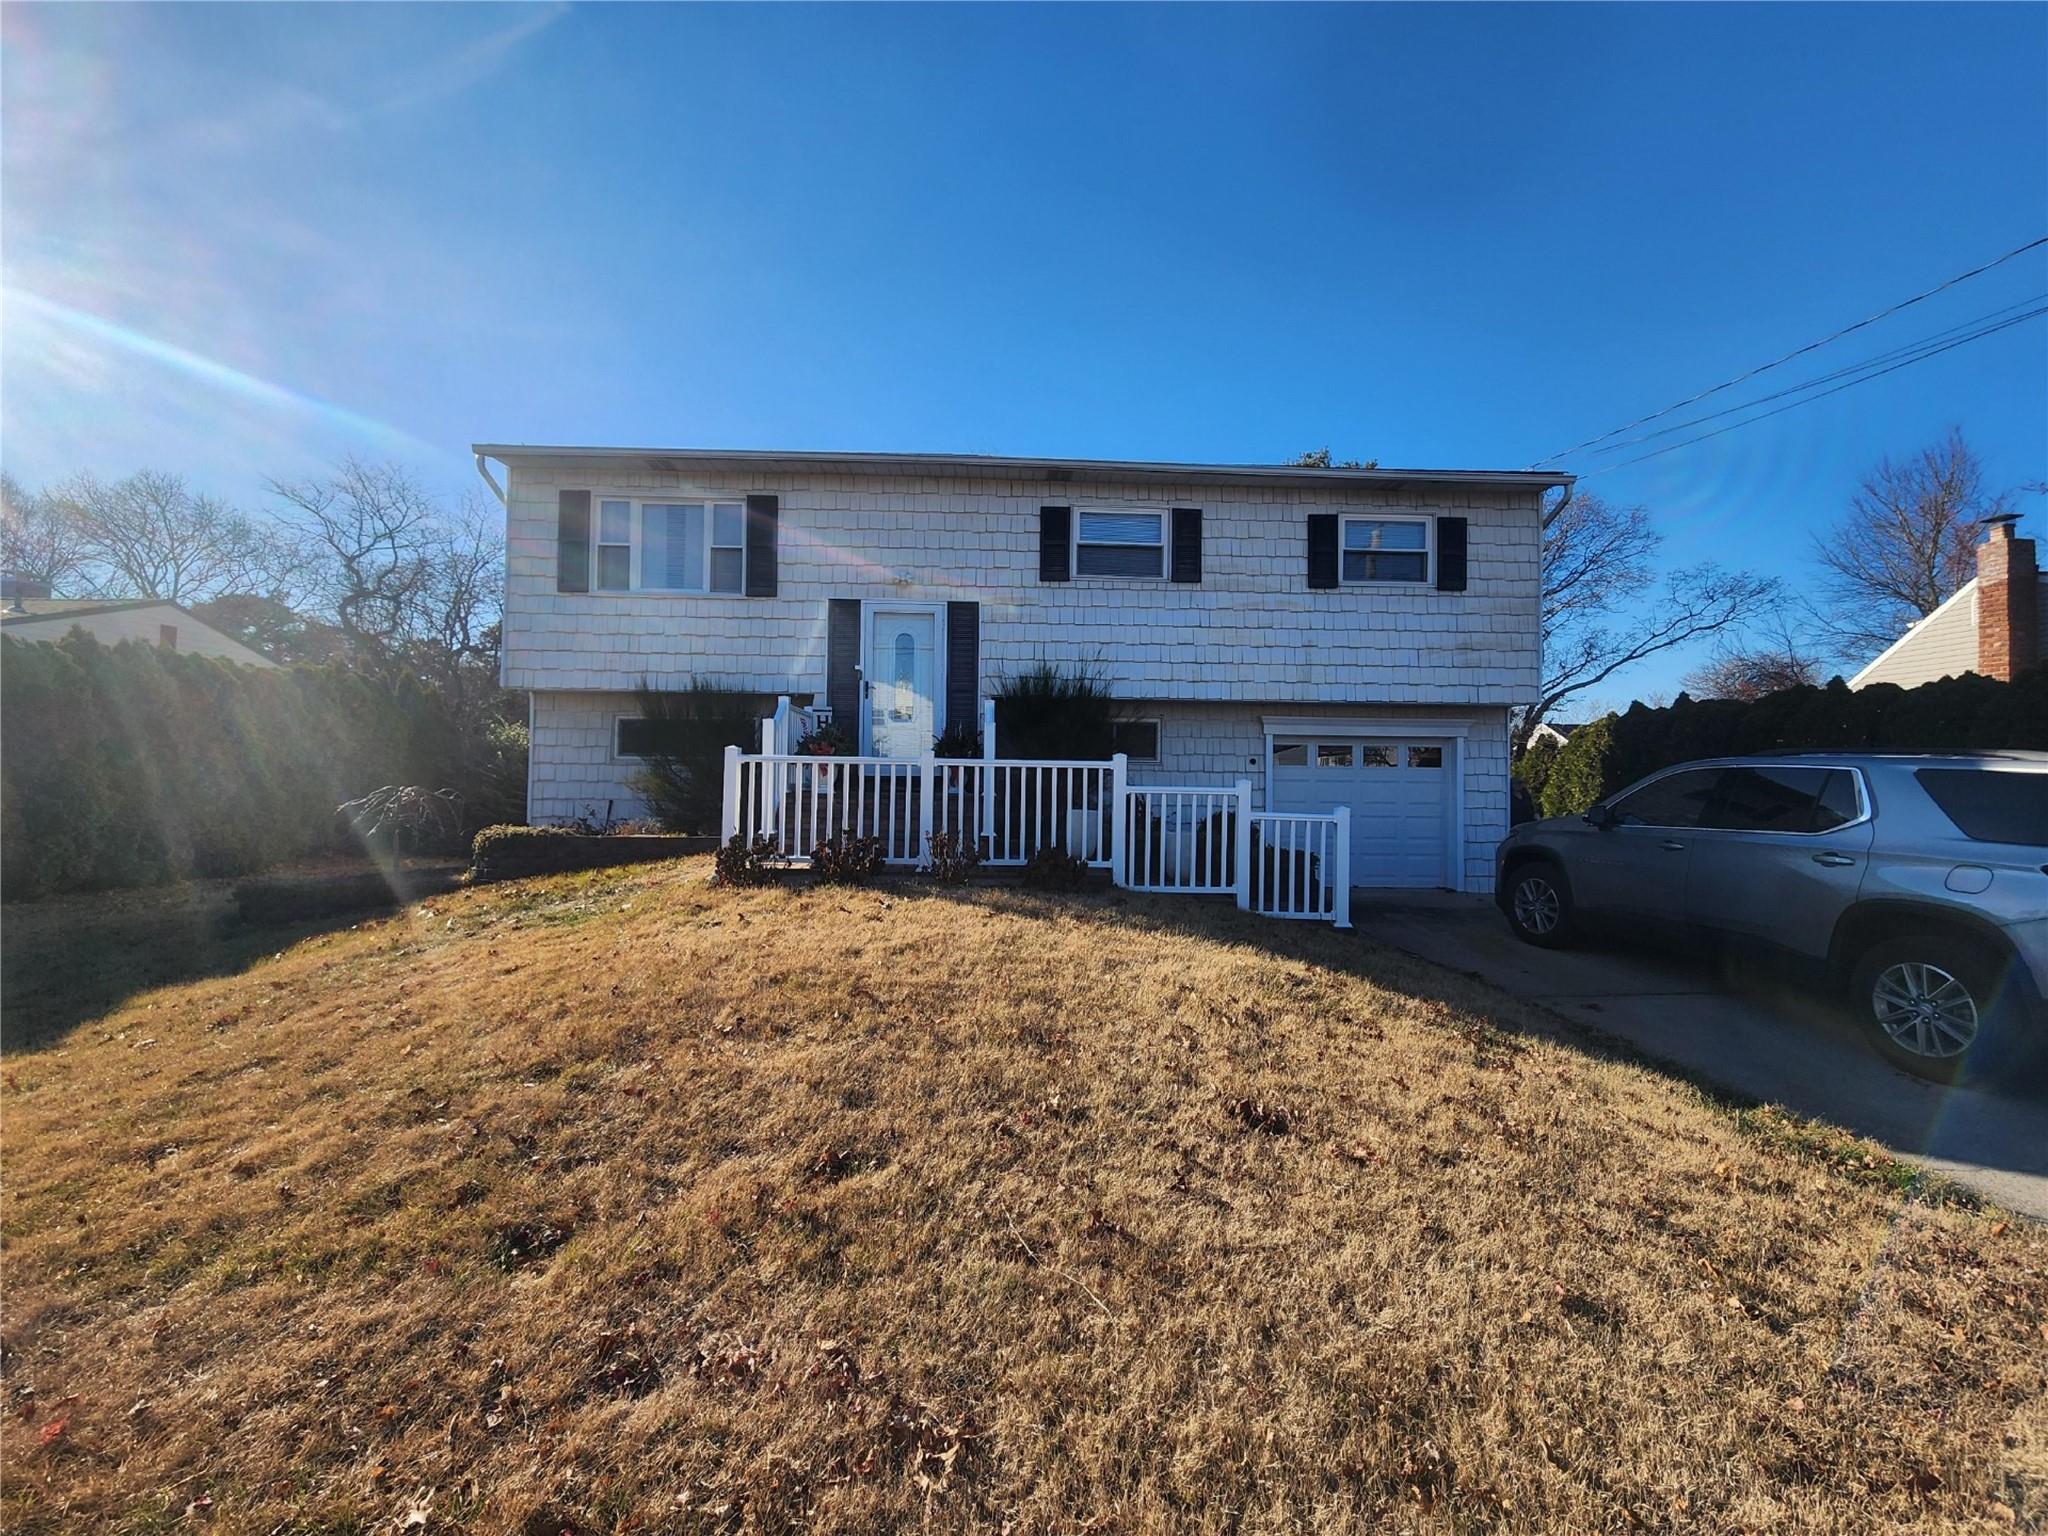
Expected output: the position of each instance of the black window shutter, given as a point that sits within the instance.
(842, 664)
(1055, 542)
(1322, 549)
(1187, 543)
(1450, 554)
(763, 513)
(572, 541)
(963, 665)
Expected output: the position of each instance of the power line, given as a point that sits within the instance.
(1826, 378)
(1936, 351)
(1797, 352)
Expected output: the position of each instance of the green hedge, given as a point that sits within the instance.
(133, 765)
(1957, 712)
(512, 853)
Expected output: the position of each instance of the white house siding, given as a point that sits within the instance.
(571, 771)
(574, 773)
(1251, 630)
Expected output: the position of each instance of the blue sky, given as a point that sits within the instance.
(242, 240)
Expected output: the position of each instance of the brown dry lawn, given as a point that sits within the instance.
(618, 1202)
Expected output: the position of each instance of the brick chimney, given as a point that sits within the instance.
(2008, 598)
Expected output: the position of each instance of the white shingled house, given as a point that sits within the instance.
(1325, 637)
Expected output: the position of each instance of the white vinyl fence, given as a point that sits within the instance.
(1185, 840)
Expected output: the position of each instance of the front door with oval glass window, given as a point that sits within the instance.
(902, 677)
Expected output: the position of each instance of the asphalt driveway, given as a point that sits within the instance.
(1749, 1036)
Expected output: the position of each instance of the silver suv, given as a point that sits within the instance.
(1917, 885)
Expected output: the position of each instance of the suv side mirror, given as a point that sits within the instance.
(1601, 816)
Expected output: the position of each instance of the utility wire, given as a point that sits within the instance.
(1872, 361)
(1797, 352)
(1936, 351)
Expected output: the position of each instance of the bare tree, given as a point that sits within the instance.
(1763, 656)
(151, 536)
(1750, 675)
(1905, 545)
(1604, 609)
(39, 540)
(370, 533)
(457, 615)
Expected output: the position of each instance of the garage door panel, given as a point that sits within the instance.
(1399, 791)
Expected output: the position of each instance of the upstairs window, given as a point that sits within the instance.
(670, 546)
(1130, 544)
(1377, 549)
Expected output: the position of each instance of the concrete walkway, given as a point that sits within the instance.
(1762, 1040)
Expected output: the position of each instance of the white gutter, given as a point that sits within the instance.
(484, 469)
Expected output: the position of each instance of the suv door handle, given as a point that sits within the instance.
(1833, 860)
(1672, 845)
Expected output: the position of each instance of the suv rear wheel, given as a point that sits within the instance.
(1539, 904)
(1931, 1003)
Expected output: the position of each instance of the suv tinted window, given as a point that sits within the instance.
(1676, 800)
(1784, 799)
(1838, 805)
(1990, 807)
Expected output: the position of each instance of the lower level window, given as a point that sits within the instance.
(640, 737)
(1136, 739)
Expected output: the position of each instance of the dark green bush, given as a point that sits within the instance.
(513, 853)
(1950, 715)
(1533, 766)
(1054, 712)
(133, 765)
(744, 862)
(847, 860)
(684, 783)
(1054, 869)
(951, 858)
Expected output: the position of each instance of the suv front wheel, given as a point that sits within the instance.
(1539, 905)
(1931, 1003)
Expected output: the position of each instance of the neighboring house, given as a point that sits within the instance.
(1553, 730)
(148, 620)
(1996, 624)
(1334, 636)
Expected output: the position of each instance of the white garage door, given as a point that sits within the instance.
(1399, 791)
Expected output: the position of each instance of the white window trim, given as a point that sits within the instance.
(1075, 541)
(1158, 738)
(637, 504)
(1428, 551)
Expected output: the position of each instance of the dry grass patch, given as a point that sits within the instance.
(614, 1202)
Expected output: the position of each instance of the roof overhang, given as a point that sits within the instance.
(979, 466)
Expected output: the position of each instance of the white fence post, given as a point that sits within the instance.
(1340, 878)
(1119, 818)
(1243, 841)
(928, 767)
(768, 746)
(729, 816)
(988, 774)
